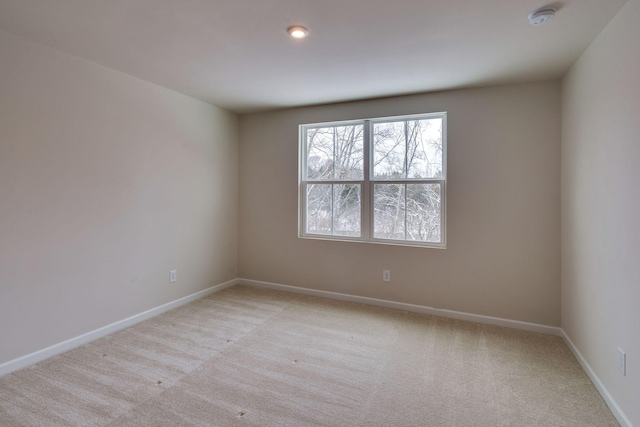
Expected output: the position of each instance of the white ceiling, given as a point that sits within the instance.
(237, 54)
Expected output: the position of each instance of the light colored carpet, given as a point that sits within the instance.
(256, 357)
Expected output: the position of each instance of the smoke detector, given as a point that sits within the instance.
(542, 16)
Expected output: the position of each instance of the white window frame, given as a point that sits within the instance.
(367, 183)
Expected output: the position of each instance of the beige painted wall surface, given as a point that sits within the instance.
(106, 183)
(601, 206)
(503, 207)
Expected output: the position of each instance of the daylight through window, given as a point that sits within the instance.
(377, 180)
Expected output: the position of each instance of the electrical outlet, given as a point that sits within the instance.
(173, 276)
(386, 275)
(622, 362)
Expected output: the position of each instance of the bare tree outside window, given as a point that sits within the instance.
(375, 180)
(334, 154)
(407, 151)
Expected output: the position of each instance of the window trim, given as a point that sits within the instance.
(367, 183)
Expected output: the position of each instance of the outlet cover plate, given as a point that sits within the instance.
(622, 362)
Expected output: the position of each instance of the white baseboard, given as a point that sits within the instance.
(515, 324)
(606, 396)
(45, 353)
(35, 357)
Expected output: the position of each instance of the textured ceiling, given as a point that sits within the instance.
(237, 54)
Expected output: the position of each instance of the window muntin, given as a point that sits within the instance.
(379, 180)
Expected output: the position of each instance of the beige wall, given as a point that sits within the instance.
(601, 206)
(106, 183)
(503, 254)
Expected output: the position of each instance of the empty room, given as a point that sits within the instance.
(319, 213)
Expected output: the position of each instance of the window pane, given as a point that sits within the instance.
(320, 153)
(349, 152)
(389, 148)
(319, 208)
(424, 148)
(389, 211)
(423, 212)
(346, 210)
(335, 152)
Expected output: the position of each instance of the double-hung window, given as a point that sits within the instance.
(376, 180)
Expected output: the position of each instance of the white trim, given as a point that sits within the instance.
(45, 353)
(478, 318)
(606, 396)
(35, 357)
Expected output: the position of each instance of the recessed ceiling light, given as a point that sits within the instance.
(542, 16)
(297, 32)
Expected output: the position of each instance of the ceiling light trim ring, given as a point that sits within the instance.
(298, 31)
